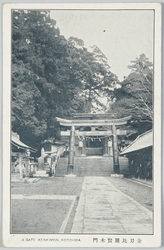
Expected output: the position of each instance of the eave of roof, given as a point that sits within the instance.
(16, 142)
(144, 140)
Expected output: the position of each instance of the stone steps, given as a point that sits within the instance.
(41, 174)
(87, 166)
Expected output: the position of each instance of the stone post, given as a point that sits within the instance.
(116, 167)
(28, 161)
(105, 147)
(84, 148)
(20, 167)
(49, 160)
(110, 150)
(71, 151)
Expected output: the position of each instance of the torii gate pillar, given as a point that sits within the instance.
(71, 152)
(116, 167)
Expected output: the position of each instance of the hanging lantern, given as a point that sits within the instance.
(80, 144)
(109, 144)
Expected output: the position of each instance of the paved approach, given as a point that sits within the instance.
(102, 208)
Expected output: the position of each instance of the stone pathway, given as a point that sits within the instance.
(102, 208)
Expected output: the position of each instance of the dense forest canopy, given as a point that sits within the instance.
(52, 76)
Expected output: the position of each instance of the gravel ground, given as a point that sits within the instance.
(38, 216)
(142, 194)
(52, 185)
(44, 216)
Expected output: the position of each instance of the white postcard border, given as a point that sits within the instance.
(70, 240)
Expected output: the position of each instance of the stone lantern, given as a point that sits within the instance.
(48, 151)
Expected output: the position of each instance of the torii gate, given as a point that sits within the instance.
(94, 122)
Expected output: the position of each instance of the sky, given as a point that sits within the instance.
(122, 35)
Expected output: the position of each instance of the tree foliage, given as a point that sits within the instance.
(135, 95)
(51, 76)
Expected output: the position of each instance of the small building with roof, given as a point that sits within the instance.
(139, 153)
(22, 163)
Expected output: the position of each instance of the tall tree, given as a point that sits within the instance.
(135, 95)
